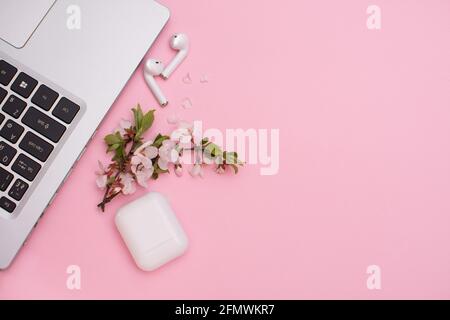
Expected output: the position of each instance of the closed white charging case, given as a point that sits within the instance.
(151, 231)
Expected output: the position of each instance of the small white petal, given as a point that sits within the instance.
(143, 176)
(204, 78)
(128, 183)
(101, 167)
(174, 155)
(186, 139)
(143, 146)
(128, 189)
(125, 124)
(177, 134)
(131, 188)
(196, 170)
(120, 131)
(146, 162)
(148, 172)
(135, 160)
(187, 79)
(142, 182)
(163, 154)
(173, 119)
(164, 165)
(151, 152)
(168, 144)
(101, 181)
(185, 125)
(207, 160)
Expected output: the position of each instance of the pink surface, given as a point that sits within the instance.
(364, 151)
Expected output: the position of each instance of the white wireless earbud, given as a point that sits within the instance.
(178, 42)
(152, 69)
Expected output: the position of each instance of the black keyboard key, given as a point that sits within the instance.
(24, 85)
(3, 94)
(7, 204)
(11, 131)
(18, 189)
(5, 179)
(36, 146)
(7, 153)
(14, 106)
(26, 167)
(43, 124)
(7, 72)
(66, 110)
(44, 97)
(2, 117)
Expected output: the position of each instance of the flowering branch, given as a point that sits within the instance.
(137, 161)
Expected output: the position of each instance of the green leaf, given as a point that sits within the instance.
(138, 115)
(136, 146)
(113, 147)
(158, 170)
(232, 158)
(119, 154)
(158, 136)
(147, 121)
(143, 122)
(212, 150)
(112, 139)
(159, 140)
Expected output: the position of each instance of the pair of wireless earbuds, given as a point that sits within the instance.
(154, 68)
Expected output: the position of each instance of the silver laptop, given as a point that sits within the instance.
(62, 65)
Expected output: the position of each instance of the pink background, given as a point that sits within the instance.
(364, 150)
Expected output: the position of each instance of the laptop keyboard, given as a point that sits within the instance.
(33, 120)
